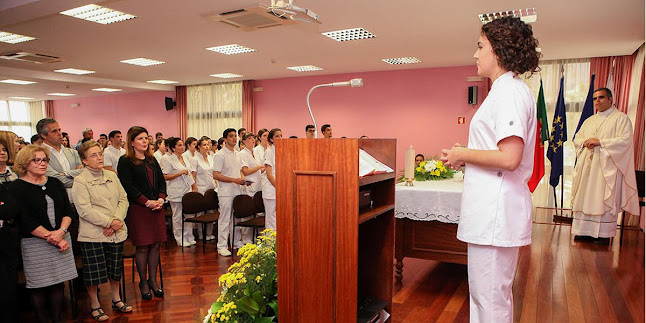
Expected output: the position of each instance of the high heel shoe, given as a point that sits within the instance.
(144, 296)
(158, 292)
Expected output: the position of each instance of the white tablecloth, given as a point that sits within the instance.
(430, 200)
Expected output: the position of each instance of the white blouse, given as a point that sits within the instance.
(203, 172)
(248, 160)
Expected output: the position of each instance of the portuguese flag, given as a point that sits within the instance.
(541, 136)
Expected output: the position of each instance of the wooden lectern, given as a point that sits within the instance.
(330, 253)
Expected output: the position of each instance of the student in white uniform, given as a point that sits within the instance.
(112, 153)
(259, 151)
(160, 150)
(226, 170)
(496, 214)
(203, 173)
(251, 167)
(191, 149)
(179, 181)
(269, 186)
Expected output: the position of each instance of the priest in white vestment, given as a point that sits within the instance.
(604, 181)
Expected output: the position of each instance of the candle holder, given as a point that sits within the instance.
(408, 182)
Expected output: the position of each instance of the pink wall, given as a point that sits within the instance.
(117, 111)
(418, 107)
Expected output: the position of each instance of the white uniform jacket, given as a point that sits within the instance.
(496, 204)
(203, 172)
(177, 187)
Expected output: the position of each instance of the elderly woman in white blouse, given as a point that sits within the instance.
(177, 173)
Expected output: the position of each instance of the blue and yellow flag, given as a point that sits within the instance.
(557, 137)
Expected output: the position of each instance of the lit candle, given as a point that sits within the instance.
(409, 165)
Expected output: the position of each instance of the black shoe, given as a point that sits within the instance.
(584, 238)
(145, 296)
(158, 292)
(602, 241)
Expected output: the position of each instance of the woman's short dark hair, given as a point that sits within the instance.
(514, 45)
(261, 132)
(172, 142)
(419, 155)
(189, 140)
(158, 142)
(247, 135)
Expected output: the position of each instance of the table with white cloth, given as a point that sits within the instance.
(426, 217)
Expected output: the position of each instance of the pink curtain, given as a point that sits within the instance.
(248, 106)
(639, 127)
(621, 76)
(182, 110)
(49, 109)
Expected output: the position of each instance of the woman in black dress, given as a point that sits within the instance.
(143, 180)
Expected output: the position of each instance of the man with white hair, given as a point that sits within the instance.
(87, 134)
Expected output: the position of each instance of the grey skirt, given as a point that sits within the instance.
(44, 264)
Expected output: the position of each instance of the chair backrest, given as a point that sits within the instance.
(258, 203)
(640, 182)
(243, 206)
(211, 200)
(192, 202)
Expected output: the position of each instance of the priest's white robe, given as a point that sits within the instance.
(604, 181)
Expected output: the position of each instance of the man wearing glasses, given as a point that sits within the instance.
(309, 131)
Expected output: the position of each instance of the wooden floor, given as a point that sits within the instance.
(558, 280)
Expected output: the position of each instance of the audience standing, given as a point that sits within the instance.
(269, 186)
(179, 181)
(143, 181)
(101, 203)
(44, 218)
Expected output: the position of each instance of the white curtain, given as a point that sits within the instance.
(635, 81)
(212, 108)
(576, 84)
(36, 112)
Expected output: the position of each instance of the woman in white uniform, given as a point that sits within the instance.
(202, 164)
(496, 214)
(179, 182)
(269, 186)
(191, 149)
(251, 167)
(259, 151)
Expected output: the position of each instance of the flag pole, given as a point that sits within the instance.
(562, 189)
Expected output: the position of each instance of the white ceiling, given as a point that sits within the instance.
(439, 33)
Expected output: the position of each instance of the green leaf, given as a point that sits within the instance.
(215, 307)
(267, 319)
(248, 305)
(274, 306)
(257, 296)
(247, 291)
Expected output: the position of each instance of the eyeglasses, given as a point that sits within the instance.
(40, 160)
(95, 155)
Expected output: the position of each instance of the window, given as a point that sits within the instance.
(576, 83)
(15, 116)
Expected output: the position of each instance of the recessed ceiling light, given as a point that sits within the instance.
(527, 15)
(163, 82)
(226, 75)
(21, 98)
(75, 71)
(401, 60)
(19, 82)
(304, 68)
(231, 49)
(9, 38)
(141, 61)
(61, 94)
(107, 89)
(349, 34)
(98, 14)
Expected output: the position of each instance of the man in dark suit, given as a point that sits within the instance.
(65, 163)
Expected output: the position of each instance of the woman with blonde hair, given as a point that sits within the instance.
(102, 204)
(44, 218)
(143, 181)
(13, 145)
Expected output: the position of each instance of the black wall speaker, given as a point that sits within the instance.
(473, 95)
(169, 103)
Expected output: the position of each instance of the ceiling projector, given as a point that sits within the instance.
(287, 9)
